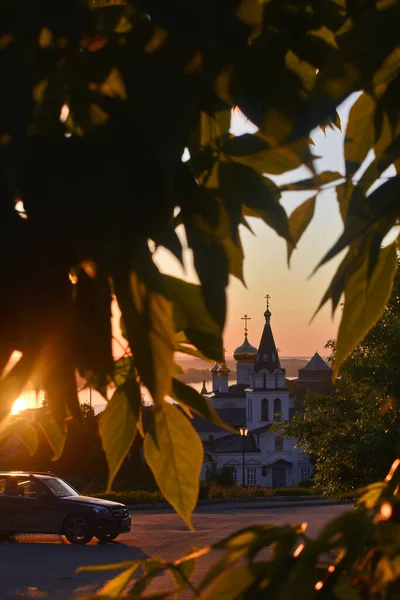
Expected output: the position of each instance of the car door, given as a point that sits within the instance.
(5, 507)
(32, 512)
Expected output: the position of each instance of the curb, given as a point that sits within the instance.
(251, 503)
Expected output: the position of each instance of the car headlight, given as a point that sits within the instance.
(100, 510)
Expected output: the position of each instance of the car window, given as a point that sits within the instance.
(59, 487)
(2, 486)
(23, 487)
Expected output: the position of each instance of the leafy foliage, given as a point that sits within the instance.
(354, 434)
(353, 556)
(99, 102)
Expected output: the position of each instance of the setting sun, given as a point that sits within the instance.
(19, 405)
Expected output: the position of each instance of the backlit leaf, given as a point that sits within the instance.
(185, 394)
(299, 221)
(231, 584)
(174, 453)
(118, 424)
(360, 133)
(115, 587)
(23, 430)
(55, 435)
(191, 315)
(364, 303)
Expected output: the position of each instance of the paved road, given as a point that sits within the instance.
(45, 566)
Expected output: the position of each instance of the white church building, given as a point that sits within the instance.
(256, 402)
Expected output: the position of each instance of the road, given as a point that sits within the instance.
(45, 566)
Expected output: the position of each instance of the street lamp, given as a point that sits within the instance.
(243, 432)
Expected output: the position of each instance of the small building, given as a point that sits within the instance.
(315, 378)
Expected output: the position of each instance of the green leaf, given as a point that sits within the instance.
(115, 587)
(299, 221)
(246, 150)
(56, 436)
(183, 571)
(360, 133)
(192, 317)
(231, 584)
(241, 185)
(23, 430)
(148, 317)
(118, 425)
(187, 395)
(364, 303)
(174, 453)
(312, 183)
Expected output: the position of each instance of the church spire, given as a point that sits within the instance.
(267, 355)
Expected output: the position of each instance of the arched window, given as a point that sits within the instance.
(276, 380)
(278, 443)
(277, 408)
(264, 410)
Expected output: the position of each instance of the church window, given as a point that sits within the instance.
(277, 408)
(263, 471)
(273, 357)
(264, 410)
(305, 473)
(278, 443)
(265, 357)
(250, 409)
(234, 474)
(251, 476)
(276, 380)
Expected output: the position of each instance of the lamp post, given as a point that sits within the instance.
(243, 432)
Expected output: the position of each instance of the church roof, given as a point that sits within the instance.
(236, 390)
(235, 417)
(267, 355)
(246, 352)
(317, 363)
(233, 443)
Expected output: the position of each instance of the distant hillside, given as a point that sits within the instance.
(197, 370)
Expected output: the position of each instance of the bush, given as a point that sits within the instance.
(294, 491)
(132, 497)
(208, 491)
(223, 476)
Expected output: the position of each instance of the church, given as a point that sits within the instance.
(253, 405)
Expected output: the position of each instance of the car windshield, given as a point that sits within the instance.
(59, 487)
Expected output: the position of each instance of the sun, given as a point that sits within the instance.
(19, 405)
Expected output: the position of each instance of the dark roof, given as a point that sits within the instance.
(262, 429)
(232, 443)
(317, 363)
(235, 417)
(267, 355)
(235, 390)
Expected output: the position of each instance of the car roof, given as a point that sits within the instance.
(17, 473)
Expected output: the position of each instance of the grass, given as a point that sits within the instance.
(207, 491)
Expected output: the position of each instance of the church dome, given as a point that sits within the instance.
(246, 352)
(224, 370)
(214, 369)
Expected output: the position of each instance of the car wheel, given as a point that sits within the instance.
(78, 530)
(107, 537)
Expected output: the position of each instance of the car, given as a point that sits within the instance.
(37, 502)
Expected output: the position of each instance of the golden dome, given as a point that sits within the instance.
(246, 352)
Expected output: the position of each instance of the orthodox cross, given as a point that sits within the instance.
(245, 319)
(267, 297)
